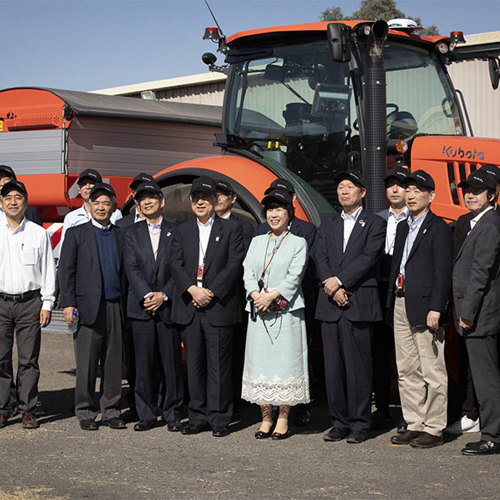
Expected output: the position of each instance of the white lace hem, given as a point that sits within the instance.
(262, 391)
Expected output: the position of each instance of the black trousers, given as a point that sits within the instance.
(484, 363)
(102, 342)
(348, 372)
(209, 362)
(154, 340)
(24, 318)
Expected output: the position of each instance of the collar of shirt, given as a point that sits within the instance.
(399, 217)
(354, 216)
(154, 227)
(18, 228)
(208, 224)
(415, 224)
(138, 217)
(100, 226)
(475, 220)
(227, 215)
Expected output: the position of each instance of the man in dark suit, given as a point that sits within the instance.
(135, 214)
(476, 292)
(419, 284)
(90, 269)
(207, 253)
(146, 252)
(305, 230)
(31, 213)
(347, 253)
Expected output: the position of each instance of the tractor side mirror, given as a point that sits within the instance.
(494, 73)
(338, 35)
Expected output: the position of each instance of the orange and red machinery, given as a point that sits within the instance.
(305, 101)
(49, 136)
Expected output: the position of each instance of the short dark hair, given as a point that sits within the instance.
(490, 193)
(274, 204)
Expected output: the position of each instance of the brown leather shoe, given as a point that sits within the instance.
(29, 421)
(405, 437)
(3, 420)
(426, 440)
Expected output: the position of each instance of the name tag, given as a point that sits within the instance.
(199, 275)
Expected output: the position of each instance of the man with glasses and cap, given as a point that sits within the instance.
(147, 248)
(476, 293)
(27, 295)
(31, 213)
(419, 285)
(86, 181)
(348, 251)
(135, 214)
(206, 259)
(92, 289)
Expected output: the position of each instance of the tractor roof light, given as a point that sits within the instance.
(456, 37)
(442, 47)
(211, 34)
(401, 146)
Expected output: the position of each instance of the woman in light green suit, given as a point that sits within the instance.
(275, 371)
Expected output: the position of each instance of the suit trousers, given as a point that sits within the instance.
(422, 376)
(348, 372)
(102, 342)
(484, 363)
(209, 370)
(153, 339)
(24, 318)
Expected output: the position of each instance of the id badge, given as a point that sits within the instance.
(199, 274)
(400, 282)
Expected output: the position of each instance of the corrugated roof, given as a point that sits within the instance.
(88, 104)
(482, 38)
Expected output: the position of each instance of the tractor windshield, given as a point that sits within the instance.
(295, 108)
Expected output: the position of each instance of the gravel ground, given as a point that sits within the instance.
(58, 460)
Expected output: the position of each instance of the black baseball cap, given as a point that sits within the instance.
(139, 179)
(282, 184)
(148, 187)
(6, 171)
(91, 174)
(479, 179)
(14, 186)
(398, 173)
(352, 176)
(277, 195)
(421, 179)
(101, 188)
(203, 184)
(491, 169)
(224, 187)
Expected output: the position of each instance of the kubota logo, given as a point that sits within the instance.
(468, 154)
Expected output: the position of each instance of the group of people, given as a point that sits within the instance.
(376, 283)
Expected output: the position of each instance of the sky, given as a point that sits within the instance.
(95, 44)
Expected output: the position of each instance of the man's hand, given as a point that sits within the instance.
(433, 320)
(466, 324)
(340, 298)
(44, 318)
(68, 314)
(201, 296)
(263, 300)
(331, 285)
(153, 302)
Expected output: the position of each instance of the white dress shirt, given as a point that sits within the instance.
(81, 216)
(475, 220)
(204, 233)
(392, 223)
(349, 221)
(27, 261)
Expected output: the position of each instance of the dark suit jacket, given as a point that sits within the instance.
(223, 260)
(144, 274)
(427, 272)
(356, 267)
(126, 221)
(33, 215)
(476, 278)
(460, 230)
(80, 279)
(246, 228)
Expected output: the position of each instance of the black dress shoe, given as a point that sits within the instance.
(193, 429)
(405, 438)
(175, 426)
(303, 418)
(130, 416)
(144, 425)
(336, 434)
(220, 432)
(263, 435)
(88, 425)
(278, 436)
(481, 448)
(357, 437)
(114, 423)
(426, 440)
